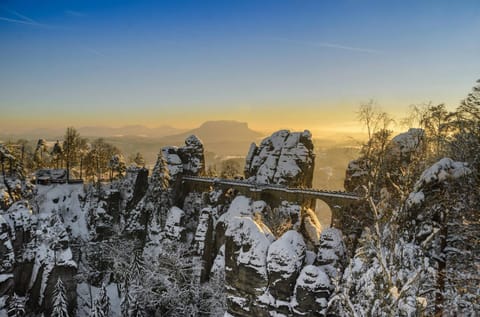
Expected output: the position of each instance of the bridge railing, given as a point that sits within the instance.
(276, 187)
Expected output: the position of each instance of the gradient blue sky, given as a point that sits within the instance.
(295, 64)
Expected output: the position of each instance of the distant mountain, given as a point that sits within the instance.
(223, 130)
(222, 137)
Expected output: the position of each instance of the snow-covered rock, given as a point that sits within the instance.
(444, 170)
(7, 258)
(331, 253)
(66, 201)
(285, 158)
(188, 159)
(311, 227)
(356, 174)
(312, 291)
(405, 144)
(441, 171)
(204, 243)
(174, 228)
(246, 250)
(284, 262)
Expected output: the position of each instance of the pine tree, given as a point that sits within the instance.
(101, 306)
(160, 179)
(139, 160)
(137, 267)
(471, 104)
(60, 308)
(57, 153)
(97, 310)
(126, 301)
(104, 301)
(39, 155)
(466, 139)
(136, 310)
(158, 192)
(16, 308)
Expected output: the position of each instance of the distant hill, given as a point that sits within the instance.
(222, 137)
(214, 131)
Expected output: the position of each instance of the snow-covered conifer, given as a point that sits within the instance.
(60, 308)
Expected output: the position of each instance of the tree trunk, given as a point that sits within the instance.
(5, 180)
(23, 154)
(3, 169)
(441, 272)
(81, 166)
(10, 161)
(68, 170)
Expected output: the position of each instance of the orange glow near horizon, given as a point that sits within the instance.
(339, 119)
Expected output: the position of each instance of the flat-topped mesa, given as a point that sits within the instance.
(185, 160)
(284, 158)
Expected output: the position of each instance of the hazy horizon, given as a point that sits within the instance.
(156, 132)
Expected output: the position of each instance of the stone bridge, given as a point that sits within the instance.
(273, 193)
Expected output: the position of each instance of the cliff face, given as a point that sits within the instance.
(284, 158)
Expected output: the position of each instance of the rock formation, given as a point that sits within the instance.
(284, 158)
(246, 277)
(187, 160)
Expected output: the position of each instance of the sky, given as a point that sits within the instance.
(298, 64)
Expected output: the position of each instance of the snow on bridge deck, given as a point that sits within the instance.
(254, 187)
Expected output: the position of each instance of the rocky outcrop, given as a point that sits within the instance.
(185, 160)
(284, 261)
(127, 195)
(356, 175)
(331, 256)
(7, 259)
(312, 291)
(405, 145)
(246, 277)
(52, 257)
(285, 158)
(174, 225)
(137, 184)
(36, 253)
(310, 227)
(204, 243)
